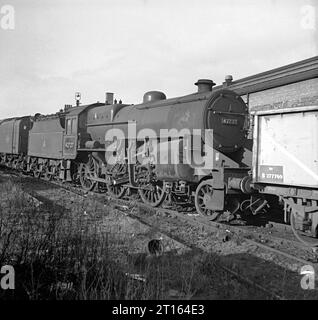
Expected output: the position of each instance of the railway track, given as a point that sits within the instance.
(215, 225)
(230, 271)
(192, 217)
(205, 222)
(126, 207)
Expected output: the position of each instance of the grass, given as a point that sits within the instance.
(61, 255)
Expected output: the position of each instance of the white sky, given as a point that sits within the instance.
(132, 46)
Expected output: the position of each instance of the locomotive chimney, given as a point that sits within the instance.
(228, 81)
(109, 98)
(204, 85)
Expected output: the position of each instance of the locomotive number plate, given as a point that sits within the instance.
(229, 122)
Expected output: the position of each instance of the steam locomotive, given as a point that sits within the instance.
(93, 145)
(70, 145)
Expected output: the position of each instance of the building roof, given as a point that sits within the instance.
(291, 73)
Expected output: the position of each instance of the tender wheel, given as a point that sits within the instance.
(87, 171)
(153, 194)
(36, 169)
(47, 174)
(22, 166)
(202, 196)
(14, 164)
(37, 173)
(9, 164)
(57, 170)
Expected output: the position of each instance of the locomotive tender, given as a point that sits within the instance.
(71, 146)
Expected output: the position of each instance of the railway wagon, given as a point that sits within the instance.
(14, 136)
(285, 162)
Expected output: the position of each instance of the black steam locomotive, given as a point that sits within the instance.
(79, 144)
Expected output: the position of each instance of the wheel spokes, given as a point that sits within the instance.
(117, 191)
(203, 197)
(154, 196)
(86, 172)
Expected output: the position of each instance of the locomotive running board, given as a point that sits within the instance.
(106, 124)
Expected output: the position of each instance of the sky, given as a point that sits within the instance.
(128, 47)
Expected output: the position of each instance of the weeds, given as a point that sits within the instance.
(61, 255)
(64, 254)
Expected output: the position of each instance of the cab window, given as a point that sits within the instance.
(73, 126)
(68, 126)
